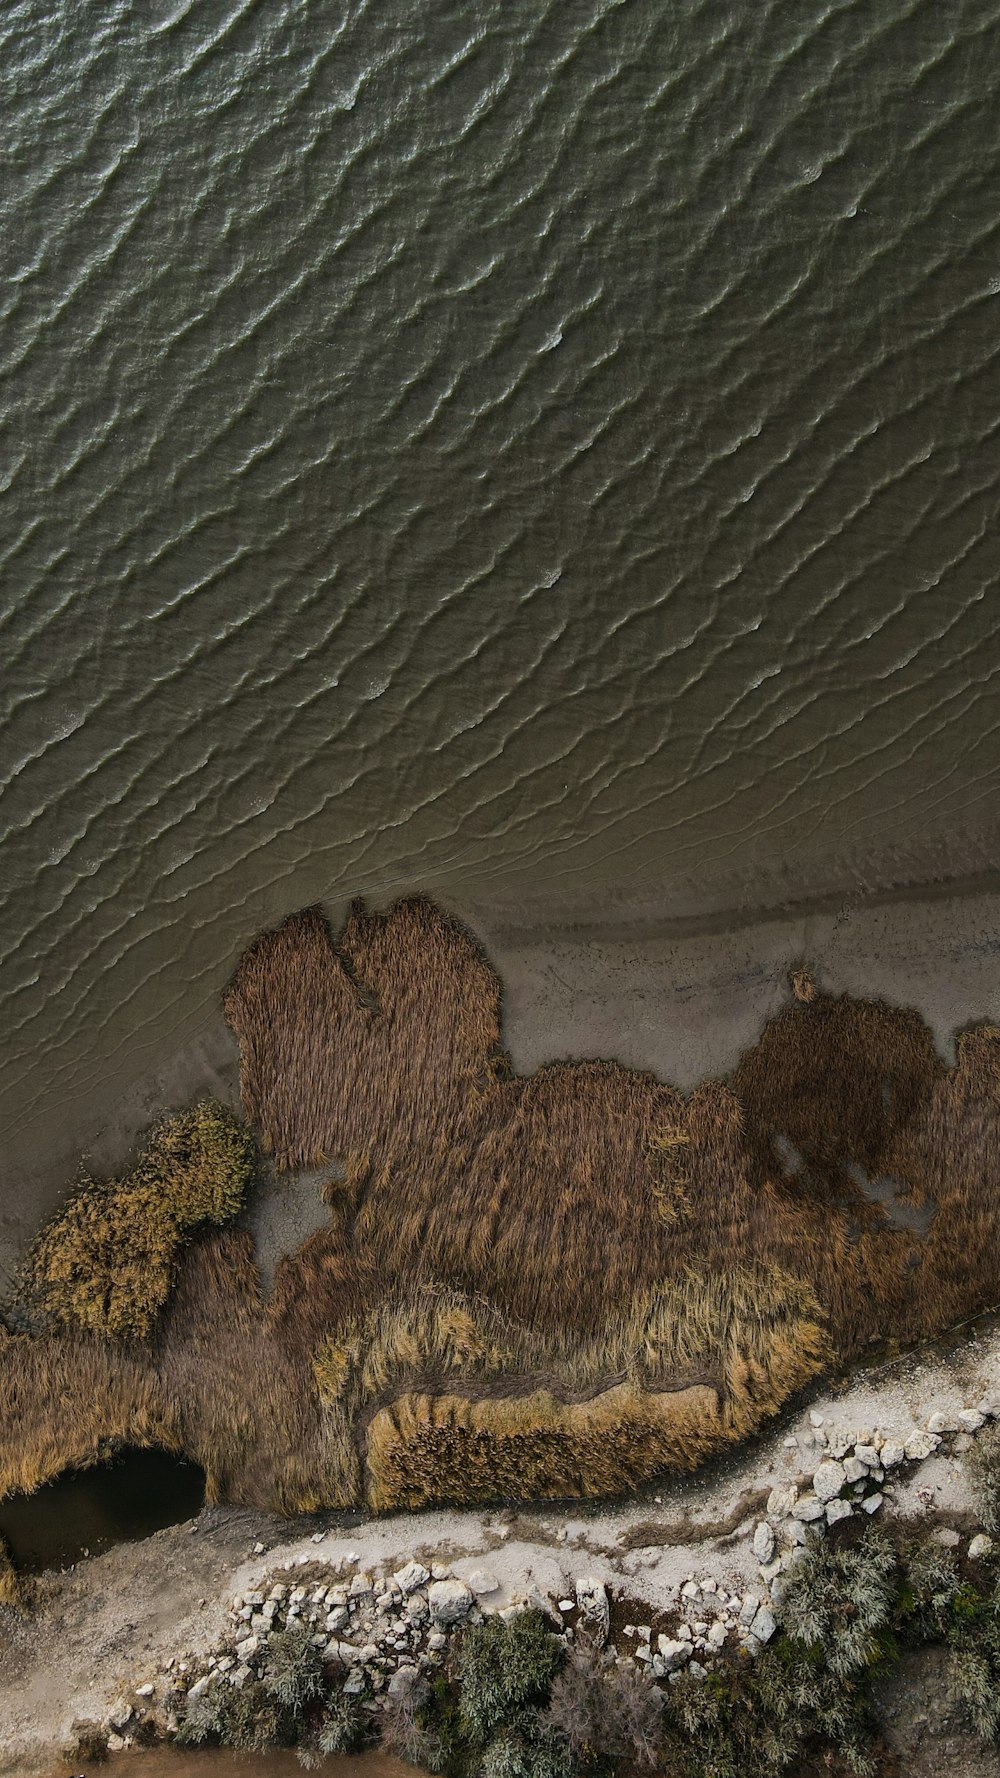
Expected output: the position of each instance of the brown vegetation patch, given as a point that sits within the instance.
(550, 1285)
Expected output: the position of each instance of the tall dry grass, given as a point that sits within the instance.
(553, 1284)
(105, 1262)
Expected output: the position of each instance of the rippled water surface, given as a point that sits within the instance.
(510, 448)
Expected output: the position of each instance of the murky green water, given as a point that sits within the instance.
(527, 451)
(85, 1511)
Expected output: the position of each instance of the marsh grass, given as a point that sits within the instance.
(546, 1285)
(106, 1261)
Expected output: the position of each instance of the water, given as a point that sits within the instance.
(85, 1511)
(530, 451)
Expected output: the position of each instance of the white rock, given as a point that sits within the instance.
(854, 1469)
(808, 1508)
(815, 1419)
(567, 1605)
(697, 1670)
(763, 1625)
(837, 1510)
(318, 1536)
(200, 1686)
(770, 1569)
(941, 1422)
(763, 1542)
(795, 1531)
(483, 1583)
(781, 1500)
(408, 1578)
(971, 1419)
(717, 1634)
(592, 1599)
(868, 1455)
(145, 1691)
(116, 1742)
(980, 1546)
(921, 1444)
(672, 1654)
(749, 1608)
(450, 1601)
(829, 1479)
(891, 1454)
(689, 1590)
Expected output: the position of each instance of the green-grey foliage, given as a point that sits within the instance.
(293, 1670)
(245, 1717)
(504, 1669)
(841, 1602)
(344, 1725)
(532, 1749)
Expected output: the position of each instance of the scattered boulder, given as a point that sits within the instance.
(829, 1479)
(449, 1601)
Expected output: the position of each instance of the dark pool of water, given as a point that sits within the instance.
(86, 1510)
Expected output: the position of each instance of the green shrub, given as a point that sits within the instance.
(841, 1602)
(531, 1750)
(976, 1683)
(344, 1727)
(504, 1669)
(293, 1669)
(245, 1717)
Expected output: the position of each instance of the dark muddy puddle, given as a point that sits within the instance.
(85, 1511)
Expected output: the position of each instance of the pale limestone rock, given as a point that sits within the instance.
(828, 1480)
(763, 1542)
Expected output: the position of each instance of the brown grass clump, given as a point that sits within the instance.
(68, 1402)
(106, 1261)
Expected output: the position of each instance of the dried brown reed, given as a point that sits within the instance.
(547, 1285)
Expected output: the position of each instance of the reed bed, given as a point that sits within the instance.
(547, 1285)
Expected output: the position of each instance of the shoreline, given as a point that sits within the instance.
(648, 991)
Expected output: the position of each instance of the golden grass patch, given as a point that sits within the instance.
(105, 1263)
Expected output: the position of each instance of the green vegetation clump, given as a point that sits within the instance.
(505, 1669)
(293, 1671)
(244, 1717)
(105, 1263)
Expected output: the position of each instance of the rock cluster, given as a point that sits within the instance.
(853, 1474)
(378, 1633)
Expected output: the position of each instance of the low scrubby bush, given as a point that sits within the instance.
(603, 1707)
(245, 1717)
(504, 1669)
(293, 1670)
